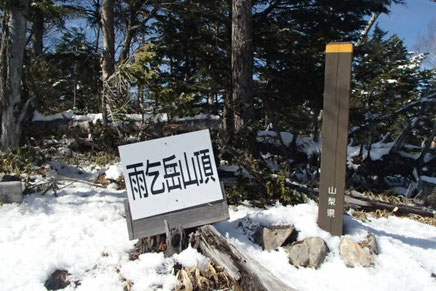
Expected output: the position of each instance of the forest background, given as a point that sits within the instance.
(256, 66)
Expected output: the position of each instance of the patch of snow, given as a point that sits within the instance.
(88, 117)
(308, 145)
(192, 258)
(40, 117)
(428, 157)
(408, 155)
(200, 116)
(151, 271)
(93, 117)
(112, 186)
(377, 152)
(272, 137)
(236, 170)
(60, 168)
(428, 179)
(402, 242)
(400, 190)
(380, 149)
(231, 168)
(160, 117)
(70, 232)
(114, 172)
(84, 231)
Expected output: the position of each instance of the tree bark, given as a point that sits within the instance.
(127, 44)
(368, 27)
(131, 23)
(12, 102)
(242, 63)
(108, 61)
(38, 34)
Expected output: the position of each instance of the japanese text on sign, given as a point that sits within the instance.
(331, 202)
(178, 173)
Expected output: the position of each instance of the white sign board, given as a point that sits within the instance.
(169, 174)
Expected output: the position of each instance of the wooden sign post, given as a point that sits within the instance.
(334, 136)
(171, 183)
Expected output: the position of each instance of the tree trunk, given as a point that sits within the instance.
(127, 44)
(12, 103)
(242, 63)
(38, 34)
(108, 62)
(368, 27)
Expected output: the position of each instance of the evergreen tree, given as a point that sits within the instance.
(48, 13)
(68, 77)
(386, 78)
(290, 39)
(192, 44)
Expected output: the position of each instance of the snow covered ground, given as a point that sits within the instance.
(83, 230)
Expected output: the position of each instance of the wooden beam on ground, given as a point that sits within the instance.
(246, 272)
(362, 203)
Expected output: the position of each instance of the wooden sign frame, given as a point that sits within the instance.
(337, 87)
(186, 218)
(172, 184)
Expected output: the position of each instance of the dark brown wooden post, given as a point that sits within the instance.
(334, 136)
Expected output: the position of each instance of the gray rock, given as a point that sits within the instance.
(57, 280)
(354, 255)
(310, 252)
(432, 198)
(371, 243)
(270, 238)
(11, 192)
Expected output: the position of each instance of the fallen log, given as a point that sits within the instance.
(357, 201)
(86, 143)
(247, 273)
(59, 127)
(362, 203)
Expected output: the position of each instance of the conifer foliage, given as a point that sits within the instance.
(182, 57)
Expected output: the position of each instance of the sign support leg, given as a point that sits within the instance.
(175, 239)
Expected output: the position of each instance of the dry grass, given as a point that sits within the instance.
(363, 216)
(214, 277)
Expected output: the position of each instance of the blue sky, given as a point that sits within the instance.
(408, 20)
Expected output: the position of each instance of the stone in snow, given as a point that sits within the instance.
(354, 255)
(371, 243)
(310, 252)
(11, 189)
(270, 238)
(57, 280)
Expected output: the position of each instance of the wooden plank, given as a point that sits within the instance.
(188, 218)
(246, 272)
(334, 137)
(128, 219)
